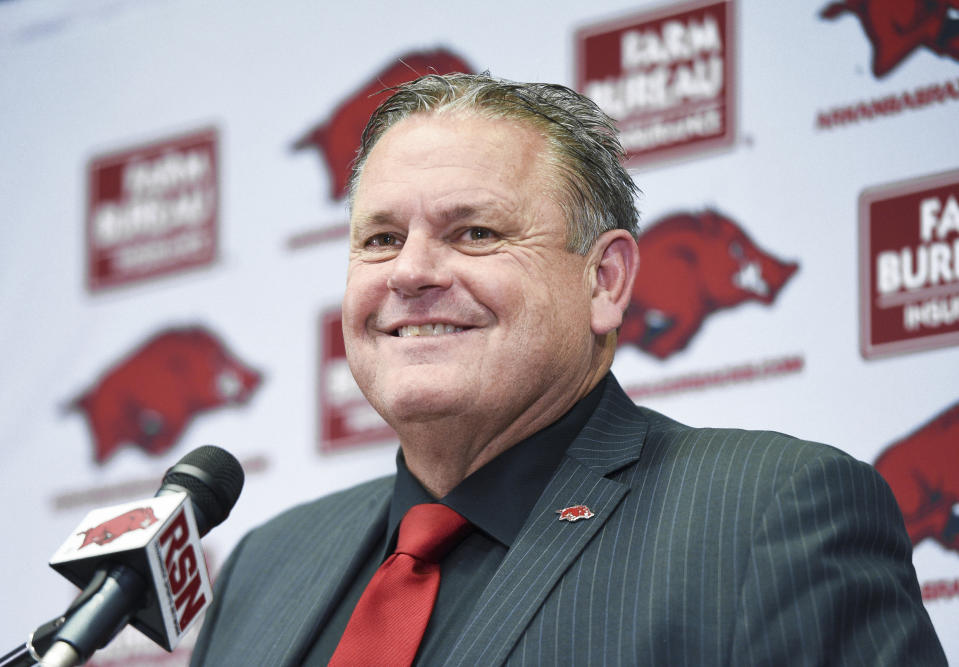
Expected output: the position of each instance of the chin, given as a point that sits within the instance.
(419, 398)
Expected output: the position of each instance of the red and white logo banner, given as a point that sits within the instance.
(152, 210)
(667, 76)
(346, 417)
(909, 265)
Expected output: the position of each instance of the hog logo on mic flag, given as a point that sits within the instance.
(109, 530)
(148, 398)
(165, 550)
(923, 471)
(896, 28)
(692, 265)
(337, 138)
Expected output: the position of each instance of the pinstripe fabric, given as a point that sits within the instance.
(708, 547)
(281, 580)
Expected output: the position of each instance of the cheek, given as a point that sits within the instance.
(358, 302)
(349, 314)
(569, 310)
(356, 347)
(548, 308)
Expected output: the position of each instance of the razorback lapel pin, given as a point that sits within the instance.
(575, 513)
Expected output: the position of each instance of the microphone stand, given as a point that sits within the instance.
(92, 622)
(29, 653)
(73, 637)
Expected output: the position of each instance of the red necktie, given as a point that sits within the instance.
(388, 622)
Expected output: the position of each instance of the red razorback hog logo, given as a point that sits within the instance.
(923, 471)
(147, 398)
(109, 530)
(338, 138)
(575, 513)
(896, 28)
(691, 265)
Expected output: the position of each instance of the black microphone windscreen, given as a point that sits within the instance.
(213, 478)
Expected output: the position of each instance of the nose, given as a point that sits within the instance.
(419, 267)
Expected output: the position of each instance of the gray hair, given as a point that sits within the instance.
(596, 192)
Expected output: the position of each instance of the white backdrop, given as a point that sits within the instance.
(80, 80)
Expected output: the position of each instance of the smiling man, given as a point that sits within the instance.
(466, 318)
(537, 514)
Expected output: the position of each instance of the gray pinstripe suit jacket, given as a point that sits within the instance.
(709, 546)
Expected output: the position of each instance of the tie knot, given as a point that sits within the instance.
(429, 531)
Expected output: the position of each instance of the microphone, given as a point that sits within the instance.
(141, 562)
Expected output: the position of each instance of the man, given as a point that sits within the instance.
(492, 255)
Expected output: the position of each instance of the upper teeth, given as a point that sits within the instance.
(427, 330)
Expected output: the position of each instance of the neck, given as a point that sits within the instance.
(443, 452)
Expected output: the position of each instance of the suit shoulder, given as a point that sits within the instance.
(357, 501)
(620, 428)
(759, 450)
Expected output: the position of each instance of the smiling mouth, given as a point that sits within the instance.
(438, 329)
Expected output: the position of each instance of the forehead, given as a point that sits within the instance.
(447, 160)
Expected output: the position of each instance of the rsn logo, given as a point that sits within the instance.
(182, 572)
(896, 28)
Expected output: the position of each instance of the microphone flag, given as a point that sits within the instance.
(158, 538)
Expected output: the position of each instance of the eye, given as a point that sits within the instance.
(384, 240)
(478, 234)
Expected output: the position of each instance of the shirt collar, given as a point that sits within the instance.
(498, 497)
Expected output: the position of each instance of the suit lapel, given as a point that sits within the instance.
(547, 547)
(334, 552)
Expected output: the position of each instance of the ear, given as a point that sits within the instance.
(615, 259)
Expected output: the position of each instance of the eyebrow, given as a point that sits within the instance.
(451, 215)
(458, 213)
(379, 219)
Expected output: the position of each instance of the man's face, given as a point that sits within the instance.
(461, 300)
